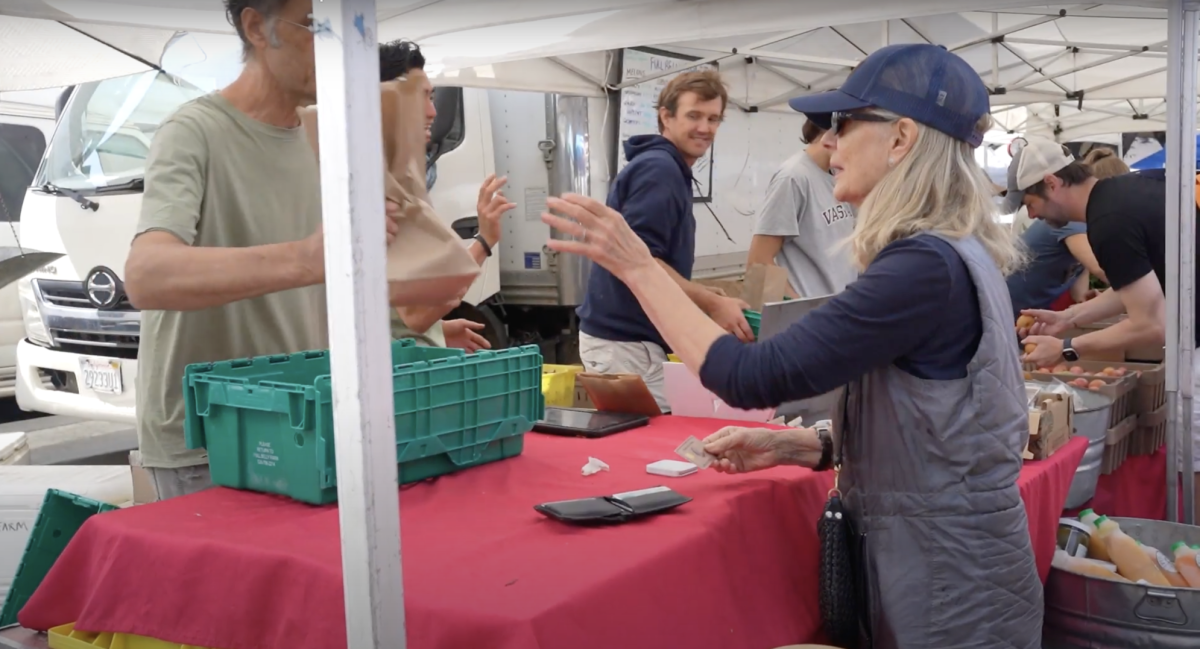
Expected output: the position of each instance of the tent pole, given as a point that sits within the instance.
(1180, 252)
(347, 67)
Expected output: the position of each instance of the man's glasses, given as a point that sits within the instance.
(839, 120)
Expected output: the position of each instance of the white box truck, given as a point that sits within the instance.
(81, 333)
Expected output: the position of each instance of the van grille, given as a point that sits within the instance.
(73, 294)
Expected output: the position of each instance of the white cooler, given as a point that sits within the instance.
(14, 448)
(22, 490)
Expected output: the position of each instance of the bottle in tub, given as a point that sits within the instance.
(1132, 563)
(1186, 563)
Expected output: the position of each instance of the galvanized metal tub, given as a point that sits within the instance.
(1085, 612)
(1091, 421)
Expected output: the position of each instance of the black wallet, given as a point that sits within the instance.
(617, 508)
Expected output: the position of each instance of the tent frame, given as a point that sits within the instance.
(352, 204)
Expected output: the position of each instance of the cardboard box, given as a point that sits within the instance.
(764, 284)
(730, 287)
(1051, 423)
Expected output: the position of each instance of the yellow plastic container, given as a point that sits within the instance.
(673, 358)
(558, 384)
(66, 637)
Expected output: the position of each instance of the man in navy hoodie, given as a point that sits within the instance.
(654, 193)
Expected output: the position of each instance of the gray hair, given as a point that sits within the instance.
(269, 10)
(937, 187)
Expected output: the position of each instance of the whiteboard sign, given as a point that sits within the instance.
(639, 112)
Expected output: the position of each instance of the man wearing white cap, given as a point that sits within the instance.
(1126, 224)
(1059, 253)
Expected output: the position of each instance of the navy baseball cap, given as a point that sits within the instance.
(925, 83)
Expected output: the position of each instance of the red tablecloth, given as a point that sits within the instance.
(735, 568)
(1137, 489)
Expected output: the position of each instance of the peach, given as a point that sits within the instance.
(1077, 370)
(1080, 383)
(1060, 369)
(1025, 322)
(1120, 371)
(1029, 348)
(1096, 385)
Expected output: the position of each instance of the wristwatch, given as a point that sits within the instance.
(1068, 351)
(824, 430)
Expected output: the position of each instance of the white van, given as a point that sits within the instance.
(26, 124)
(82, 333)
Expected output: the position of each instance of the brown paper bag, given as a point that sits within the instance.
(764, 284)
(427, 264)
(626, 393)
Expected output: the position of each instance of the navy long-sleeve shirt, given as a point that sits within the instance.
(914, 306)
(653, 192)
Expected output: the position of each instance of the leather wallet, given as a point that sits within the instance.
(617, 508)
(625, 393)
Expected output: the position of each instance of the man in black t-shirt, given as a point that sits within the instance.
(1126, 221)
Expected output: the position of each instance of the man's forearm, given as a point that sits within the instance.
(1123, 335)
(1106, 305)
(186, 278)
(699, 295)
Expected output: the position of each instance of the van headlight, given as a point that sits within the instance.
(31, 313)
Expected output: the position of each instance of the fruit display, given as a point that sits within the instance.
(1084, 379)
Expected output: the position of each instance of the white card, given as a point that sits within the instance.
(671, 468)
(693, 451)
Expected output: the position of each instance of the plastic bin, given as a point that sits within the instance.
(267, 422)
(1089, 612)
(558, 384)
(67, 637)
(754, 319)
(61, 516)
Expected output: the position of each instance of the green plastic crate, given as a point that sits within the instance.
(61, 516)
(754, 319)
(267, 422)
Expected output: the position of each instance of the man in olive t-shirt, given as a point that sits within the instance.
(228, 260)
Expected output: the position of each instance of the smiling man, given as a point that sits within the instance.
(654, 193)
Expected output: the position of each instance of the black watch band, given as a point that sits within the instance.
(487, 249)
(825, 436)
(1068, 352)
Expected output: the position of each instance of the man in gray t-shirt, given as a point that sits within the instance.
(801, 225)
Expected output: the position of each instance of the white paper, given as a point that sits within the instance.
(593, 466)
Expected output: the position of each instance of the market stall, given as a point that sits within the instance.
(239, 570)
(298, 550)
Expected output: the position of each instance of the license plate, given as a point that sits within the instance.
(101, 375)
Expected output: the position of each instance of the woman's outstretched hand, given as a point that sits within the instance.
(600, 234)
(742, 450)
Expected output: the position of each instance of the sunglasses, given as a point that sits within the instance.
(839, 120)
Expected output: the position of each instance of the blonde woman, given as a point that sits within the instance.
(1104, 163)
(934, 421)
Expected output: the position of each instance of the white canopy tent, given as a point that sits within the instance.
(1102, 58)
(1063, 71)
